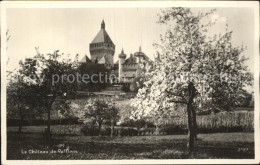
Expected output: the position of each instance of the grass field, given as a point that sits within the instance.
(68, 143)
(218, 145)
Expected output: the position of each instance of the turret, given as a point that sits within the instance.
(103, 24)
(122, 55)
(121, 60)
(139, 55)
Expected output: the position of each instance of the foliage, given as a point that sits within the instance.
(215, 123)
(136, 84)
(193, 70)
(185, 51)
(22, 100)
(248, 99)
(137, 123)
(106, 131)
(39, 73)
(125, 88)
(42, 122)
(94, 84)
(97, 112)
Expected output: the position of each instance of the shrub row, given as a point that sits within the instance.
(38, 122)
(130, 131)
(229, 122)
(118, 131)
(106, 131)
(137, 123)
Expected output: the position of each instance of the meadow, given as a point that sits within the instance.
(208, 146)
(227, 135)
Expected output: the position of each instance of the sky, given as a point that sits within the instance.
(71, 30)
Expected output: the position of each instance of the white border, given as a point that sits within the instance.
(127, 4)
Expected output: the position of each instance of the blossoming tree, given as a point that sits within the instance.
(192, 71)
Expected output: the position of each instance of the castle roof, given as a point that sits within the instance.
(130, 60)
(146, 58)
(85, 59)
(133, 58)
(102, 60)
(122, 54)
(140, 53)
(102, 35)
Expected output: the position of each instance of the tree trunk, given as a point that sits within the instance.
(194, 122)
(20, 125)
(49, 104)
(99, 129)
(49, 124)
(21, 119)
(191, 116)
(112, 130)
(156, 130)
(93, 126)
(190, 143)
(119, 132)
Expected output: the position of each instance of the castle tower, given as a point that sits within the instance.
(121, 60)
(139, 55)
(102, 48)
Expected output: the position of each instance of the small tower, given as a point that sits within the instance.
(121, 60)
(103, 24)
(139, 55)
(102, 48)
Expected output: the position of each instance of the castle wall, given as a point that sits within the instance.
(99, 53)
(129, 66)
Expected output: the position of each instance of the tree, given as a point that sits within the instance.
(16, 105)
(21, 101)
(246, 99)
(95, 111)
(136, 84)
(98, 111)
(192, 71)
(112, 117)
(55, 78)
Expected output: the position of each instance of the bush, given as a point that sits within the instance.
(214, 123)
(106, 131)
(127, 131)
(125, 88)
(137, 123)
(89, 131)
(38, 122)
(173, 130)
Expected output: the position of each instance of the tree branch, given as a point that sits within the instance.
(179, 101)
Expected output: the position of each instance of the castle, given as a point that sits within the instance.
(102, 50)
